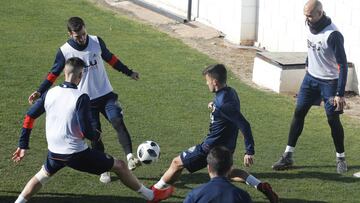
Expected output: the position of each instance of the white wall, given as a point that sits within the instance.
(235, 18)
(281, 26)
(178, 7)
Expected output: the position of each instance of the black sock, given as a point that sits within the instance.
(123, 134)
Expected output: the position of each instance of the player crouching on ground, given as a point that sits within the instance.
(67, 123)
(226, 120)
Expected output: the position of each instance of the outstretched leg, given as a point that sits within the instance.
(130, 181)
(297, 125)
(172, 174)
(33, 186)
(264, 187)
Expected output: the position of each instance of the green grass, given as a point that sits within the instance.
(167, 105)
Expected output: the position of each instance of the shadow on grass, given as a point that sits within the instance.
(307, 174)
(45, 197)
(195, 178)
(291, 200)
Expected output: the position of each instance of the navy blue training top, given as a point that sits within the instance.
(226, 120)
(218, 190)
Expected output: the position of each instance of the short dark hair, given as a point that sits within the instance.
(75, 24)
(216, 71)
(220, 160)
(75, 62)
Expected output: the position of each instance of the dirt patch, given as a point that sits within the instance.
(239, 59)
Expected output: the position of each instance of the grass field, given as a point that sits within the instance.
(167, 105)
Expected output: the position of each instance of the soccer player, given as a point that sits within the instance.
(218, 189)
(226, 120)
(325, 79)
(92, 50)
(67, 124)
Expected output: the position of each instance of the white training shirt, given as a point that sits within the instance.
(95, 81)
(63, 132)
(321, 58)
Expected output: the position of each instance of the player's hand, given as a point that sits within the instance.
(33, 97)
(248, 160)
(211, 105)
(18, 155)
(135, 76)
(339, 102)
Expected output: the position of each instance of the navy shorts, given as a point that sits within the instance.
(194, 158)
(89, 160)
(107, 105)
(313, 91)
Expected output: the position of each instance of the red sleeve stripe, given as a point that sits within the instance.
(339, 68)
(51, 77)
(28, 122)
(113, 60)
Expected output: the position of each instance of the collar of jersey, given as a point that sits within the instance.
(68, 85)
(77, 46)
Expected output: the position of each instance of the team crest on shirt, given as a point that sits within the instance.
(315, 46)
(92, 63)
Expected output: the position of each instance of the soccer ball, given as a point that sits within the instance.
(148, 152)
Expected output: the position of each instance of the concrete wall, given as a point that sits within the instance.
(235, 18)
(281, 27)
(178, 7)
(276, 25)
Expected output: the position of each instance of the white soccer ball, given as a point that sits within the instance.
(148, 152)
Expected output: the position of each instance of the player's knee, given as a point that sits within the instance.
(334, 120)
(116, 122)
(120, 165)
(177, 163)
(300, 112)
(43, 176)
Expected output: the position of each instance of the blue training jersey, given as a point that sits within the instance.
(226, 120)
(218, 190)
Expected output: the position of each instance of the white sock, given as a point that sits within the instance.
(129, 156)
(340, 155)
(289, 149)
(20, 199)
(161, 184)
(146, 192)
(251, 180)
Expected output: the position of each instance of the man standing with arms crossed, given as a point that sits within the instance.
(67, 124)
(326, 74)
(92, 50)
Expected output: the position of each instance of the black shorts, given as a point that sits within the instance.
(89, 160)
